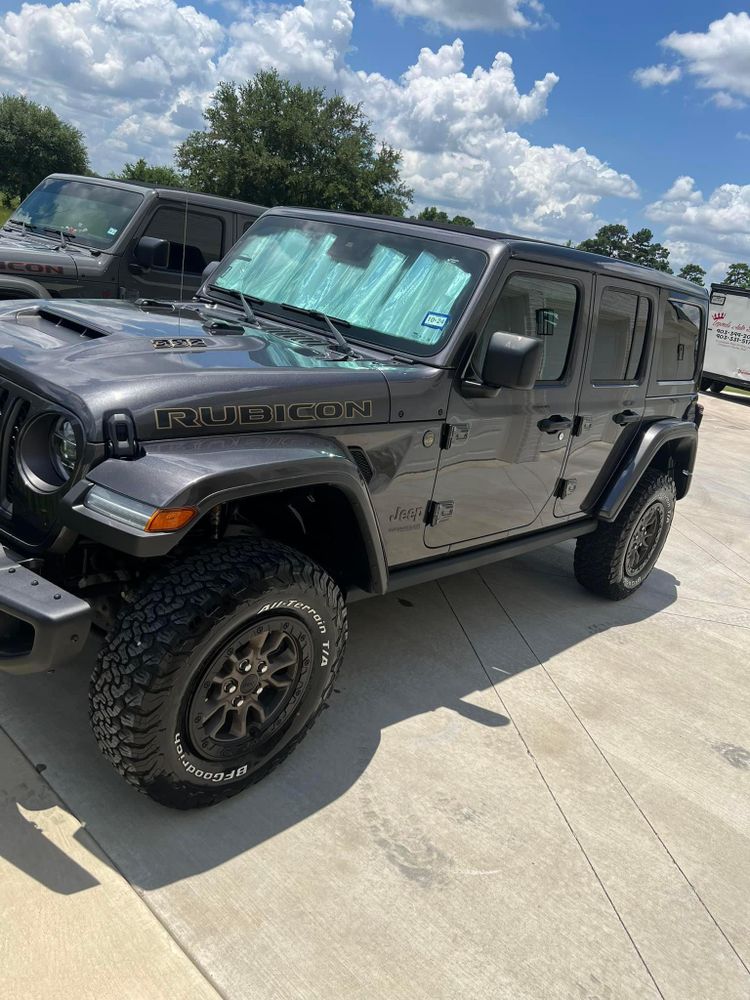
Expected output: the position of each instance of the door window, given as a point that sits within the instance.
(677, 343)
(203, 242)
(535, 306)
(619, 336)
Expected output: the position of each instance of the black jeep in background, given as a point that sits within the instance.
(84, 237)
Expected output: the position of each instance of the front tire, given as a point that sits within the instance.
(217, 670)
(615, 560)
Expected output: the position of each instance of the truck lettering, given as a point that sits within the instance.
(242, 415)
(30, 267)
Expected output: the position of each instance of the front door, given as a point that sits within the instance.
(503, 456)
(613, 388)
(196, 237)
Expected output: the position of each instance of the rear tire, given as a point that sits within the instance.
(217, 670)
(718, 386)
(616, 559)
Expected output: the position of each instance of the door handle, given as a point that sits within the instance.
(626, 417)
(551, 425)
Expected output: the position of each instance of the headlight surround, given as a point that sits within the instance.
(49, 451)
(63, 447)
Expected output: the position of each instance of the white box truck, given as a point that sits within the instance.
(727, 360)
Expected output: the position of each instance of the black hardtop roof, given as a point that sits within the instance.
(521, 246)
(175, 194)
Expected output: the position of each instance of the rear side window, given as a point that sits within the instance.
(677, 343)
(534, 306)
(619, 336)
(204, 237)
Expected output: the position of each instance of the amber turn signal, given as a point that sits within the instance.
(171, 519)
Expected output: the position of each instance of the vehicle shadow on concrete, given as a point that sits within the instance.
(408, 656)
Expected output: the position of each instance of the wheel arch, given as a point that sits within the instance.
(301, 489)
(25, 287)
(669, 445)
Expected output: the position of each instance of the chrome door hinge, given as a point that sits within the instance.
(439, 511)
(565, 487)
(454, 434)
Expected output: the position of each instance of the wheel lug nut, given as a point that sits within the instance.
(245, 666)
(230, 687)
(263, 669)
(238, 702)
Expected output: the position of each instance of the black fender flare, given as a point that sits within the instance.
(208, 471)
(641, 455)
(27, 288)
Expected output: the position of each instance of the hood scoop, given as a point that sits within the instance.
(59, 316)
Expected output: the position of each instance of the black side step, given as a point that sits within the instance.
(460, 562)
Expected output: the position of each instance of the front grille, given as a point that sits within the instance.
(25, 514)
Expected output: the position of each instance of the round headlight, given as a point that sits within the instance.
(64, 447)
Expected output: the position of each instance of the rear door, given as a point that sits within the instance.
(613, 389)
(195, 238)
(503, 455)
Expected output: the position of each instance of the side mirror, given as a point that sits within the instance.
(512, 361)
(151, 252)
(209, 269)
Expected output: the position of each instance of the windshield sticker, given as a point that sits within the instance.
(436, 321)
(111, 231)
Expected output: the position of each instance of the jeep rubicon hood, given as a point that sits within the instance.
(24, 254)
(181, 374)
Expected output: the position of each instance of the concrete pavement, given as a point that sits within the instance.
(521, 791)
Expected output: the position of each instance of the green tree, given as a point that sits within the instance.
(150, 173)
(274, 142)
(692, 272)
(614, 241)
(34, 142)
(738, 275)
(434, 214)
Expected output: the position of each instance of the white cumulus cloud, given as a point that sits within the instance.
(660, 75)
(714, 230)
(718, 58)
(136, 75)
(497, 15)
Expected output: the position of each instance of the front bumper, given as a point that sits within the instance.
(41, 626)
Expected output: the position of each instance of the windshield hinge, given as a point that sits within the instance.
(119, 431)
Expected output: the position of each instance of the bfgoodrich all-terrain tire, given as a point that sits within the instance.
(616, 558)
(217, 670)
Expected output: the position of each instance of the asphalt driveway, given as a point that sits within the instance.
(520, 791)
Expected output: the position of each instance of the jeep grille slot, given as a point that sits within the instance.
(19, 410)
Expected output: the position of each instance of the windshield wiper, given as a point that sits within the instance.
(337, 335)
(245, 301)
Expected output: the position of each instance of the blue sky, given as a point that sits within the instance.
(587, 143)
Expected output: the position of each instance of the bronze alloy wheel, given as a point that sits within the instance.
(644, 540)
(246, 686)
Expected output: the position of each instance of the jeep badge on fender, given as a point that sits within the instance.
(211, 481)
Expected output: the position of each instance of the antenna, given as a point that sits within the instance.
(182, 268)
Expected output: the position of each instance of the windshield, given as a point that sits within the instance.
(87, 212)
(394, 289)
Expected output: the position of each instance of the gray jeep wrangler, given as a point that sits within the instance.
(86, 237)
(351, 405)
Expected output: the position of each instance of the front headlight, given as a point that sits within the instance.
(63, 447)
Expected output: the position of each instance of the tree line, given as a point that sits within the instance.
(273, 142)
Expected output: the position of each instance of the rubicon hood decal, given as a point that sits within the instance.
(246, 415)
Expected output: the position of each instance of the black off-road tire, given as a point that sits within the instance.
(150, 670)
(718, 386)
(600, 558)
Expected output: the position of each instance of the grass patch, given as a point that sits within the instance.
(6, 212)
